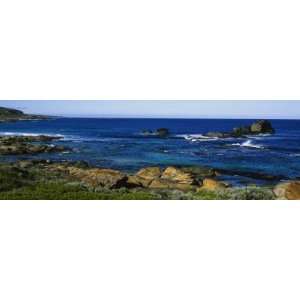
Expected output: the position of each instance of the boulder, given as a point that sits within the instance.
(262, 126)
(161, 183)
(289, 190)
(144, 176)
(170, 178)
(99, 177)
(213, 184)
(178, 176)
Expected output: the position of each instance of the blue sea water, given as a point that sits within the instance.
(117, 143)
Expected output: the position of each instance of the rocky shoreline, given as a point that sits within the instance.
(21, 177)
(172, 182)
(18, 145)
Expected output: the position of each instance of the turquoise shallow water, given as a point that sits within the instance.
(117, 143)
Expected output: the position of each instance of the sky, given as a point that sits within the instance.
(160, 108)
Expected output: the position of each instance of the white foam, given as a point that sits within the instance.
(7, 133)
(248, 144)
(196, 137)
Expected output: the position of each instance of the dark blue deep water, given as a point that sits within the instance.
(117, 143)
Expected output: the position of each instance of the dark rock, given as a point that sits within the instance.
(262, 126)
(258, 127)
(217, 134)
(240, 131)
(254, 175)
(160, 132)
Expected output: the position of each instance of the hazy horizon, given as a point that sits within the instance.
(214, 109)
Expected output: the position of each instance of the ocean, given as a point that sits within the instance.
(118, 144)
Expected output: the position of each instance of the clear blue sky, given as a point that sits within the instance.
(180, 109)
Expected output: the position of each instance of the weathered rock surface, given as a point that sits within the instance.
(262, 126)
(258, 127)
(171, 177)
(289, 190)
(213, 184)
(99, 177)
(179, 176)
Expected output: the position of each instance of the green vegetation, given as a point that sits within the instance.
(64, 191)
(27, 180)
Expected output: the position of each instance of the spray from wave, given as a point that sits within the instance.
(196, 137)
(248, 144)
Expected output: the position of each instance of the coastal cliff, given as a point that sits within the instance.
(13, 115)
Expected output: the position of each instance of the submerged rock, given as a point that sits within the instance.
(160, 132)
(289, 190)
(217, 134)
(28, 138)
(24, 148)
(17, 145)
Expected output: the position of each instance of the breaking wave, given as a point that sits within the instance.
(248, 144)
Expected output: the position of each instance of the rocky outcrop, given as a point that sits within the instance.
(99, 177)
(28, 138)
(258, 127)
(17, 145)
(24, 148)
(169, 178)
(145, 176)
(160, 132)
(213, 184)
(261, 126)
(289, 190)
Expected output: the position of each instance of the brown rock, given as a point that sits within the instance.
(289, 190)
(149, 173)
(100, 177)
(160, 183)
(145, 176)
(213, 184)
(179, 176)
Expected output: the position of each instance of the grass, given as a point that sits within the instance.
(64, 191)
(36, 184)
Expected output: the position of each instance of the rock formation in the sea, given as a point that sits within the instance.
(18, 145)
(289, 190)
(160, 132)
(12, 115)
(258, 127)
(262, 126)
